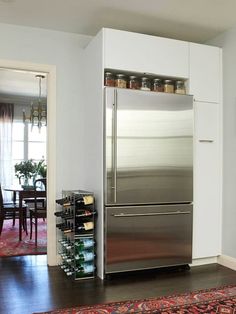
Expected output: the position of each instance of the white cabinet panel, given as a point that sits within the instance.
(204, 72)
(206, 120)
(207, 182)
(144, 53)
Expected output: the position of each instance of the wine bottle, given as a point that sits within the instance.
(69, 246)
(84, 269)
(85, 226)
(60, 225)
(84, 213)
(64, 201)
(85, 256)
(58, 214)
(84, 243)
(69, 226)
(65, 256)
(85, 200)
(62, 241)
(63, 266)
(67, 214)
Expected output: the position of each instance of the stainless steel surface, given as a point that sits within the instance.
(206, 141)
(142, 241)
(148, 144)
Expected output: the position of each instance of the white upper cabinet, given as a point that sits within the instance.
(146, 54)
(204, 72)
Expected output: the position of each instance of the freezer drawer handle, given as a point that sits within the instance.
(151, 214)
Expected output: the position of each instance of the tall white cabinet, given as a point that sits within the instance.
(205, 74)
(200, 66)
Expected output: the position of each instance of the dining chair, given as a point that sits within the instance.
(11, 210)
(40, 207)
(39, 184)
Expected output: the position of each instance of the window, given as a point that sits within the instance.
(27, 144)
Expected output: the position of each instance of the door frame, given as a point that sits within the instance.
(51, 145)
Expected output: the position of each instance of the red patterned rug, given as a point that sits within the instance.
(217, 300)
(11, 246)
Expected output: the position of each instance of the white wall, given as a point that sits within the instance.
(227, 41)
(65, 51)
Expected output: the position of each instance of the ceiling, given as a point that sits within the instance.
(191, 20)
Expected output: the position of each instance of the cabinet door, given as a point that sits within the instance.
(205, 72)
(207, 182)
(144, 53)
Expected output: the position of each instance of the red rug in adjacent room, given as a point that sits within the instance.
(11, 246)
(217, 300)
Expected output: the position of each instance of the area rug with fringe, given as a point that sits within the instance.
(217, 300)
(11, 246)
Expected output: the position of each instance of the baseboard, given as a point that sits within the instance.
(227, 261)
(204, 261)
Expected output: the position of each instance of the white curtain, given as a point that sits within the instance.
(6, 123)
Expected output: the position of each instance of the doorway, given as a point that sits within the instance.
(51, 145)
(23, 136)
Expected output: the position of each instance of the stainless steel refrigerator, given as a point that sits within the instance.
(148, 192)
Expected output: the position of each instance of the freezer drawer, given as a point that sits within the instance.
(142, 237)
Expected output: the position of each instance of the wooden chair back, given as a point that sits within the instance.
(40, 184)
(39, 195)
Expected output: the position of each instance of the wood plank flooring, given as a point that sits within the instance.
(28, 285)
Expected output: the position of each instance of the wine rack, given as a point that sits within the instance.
(76, 233)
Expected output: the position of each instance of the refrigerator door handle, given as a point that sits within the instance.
(121, 215)
(206, 141)
(114, 146)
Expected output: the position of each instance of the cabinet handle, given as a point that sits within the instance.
(206, 141)
(114, 146)
(151, 214)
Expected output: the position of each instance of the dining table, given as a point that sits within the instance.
(20, 194)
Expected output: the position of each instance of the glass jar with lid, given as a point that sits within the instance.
(109, 79)
(133, 82)
(158, 85)
(120, 81)
(168, 86)
(145, 84)
(180, 87)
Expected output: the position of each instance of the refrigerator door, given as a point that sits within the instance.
(141, 237)
(148, 147)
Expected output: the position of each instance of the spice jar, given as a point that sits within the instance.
(133, 82)
(109, 79)
(168, 86)
(120, 81)
(180, 87)
(158, 85)
(145, 83)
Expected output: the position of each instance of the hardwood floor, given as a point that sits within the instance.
(27, 285)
